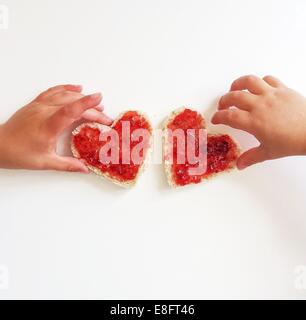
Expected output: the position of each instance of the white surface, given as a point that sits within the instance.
(74, 236)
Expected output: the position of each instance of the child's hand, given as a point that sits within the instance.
(273, 113)
(28, 139)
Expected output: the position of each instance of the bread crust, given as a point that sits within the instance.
(106, 175)
(166, 145)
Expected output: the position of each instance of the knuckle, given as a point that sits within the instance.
(270, 97)
(268, 77)
(250, 78)
(235, 95)
(232, 116)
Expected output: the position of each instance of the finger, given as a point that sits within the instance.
(65, 97)
(252, 156)
(251, 83)
(240, 99)
(66, 87)
(234, 118)
(69, 164)
(68, 97)
(70, 113)
(97, 116)
(274, 82)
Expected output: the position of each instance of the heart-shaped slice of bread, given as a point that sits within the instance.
(221, 151)
(117, 153)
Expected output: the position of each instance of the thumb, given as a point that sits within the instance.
(251, 157)
(65, 164)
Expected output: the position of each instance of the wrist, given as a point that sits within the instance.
(3, 150)
(302, 149)
(1, 147)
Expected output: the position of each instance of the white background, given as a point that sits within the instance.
(75, 236)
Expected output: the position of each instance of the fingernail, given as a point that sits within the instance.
(241, 166)
(74, 87)
(84, 170)
(96, 95)
(106, 119)
(213, 121)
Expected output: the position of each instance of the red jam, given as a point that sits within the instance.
(88, 143)
(221, 149)
(187, 119)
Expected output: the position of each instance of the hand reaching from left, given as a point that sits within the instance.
(28, 139)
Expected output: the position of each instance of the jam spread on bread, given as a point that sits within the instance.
(221, 149)
(221, 153)
(88, 143)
